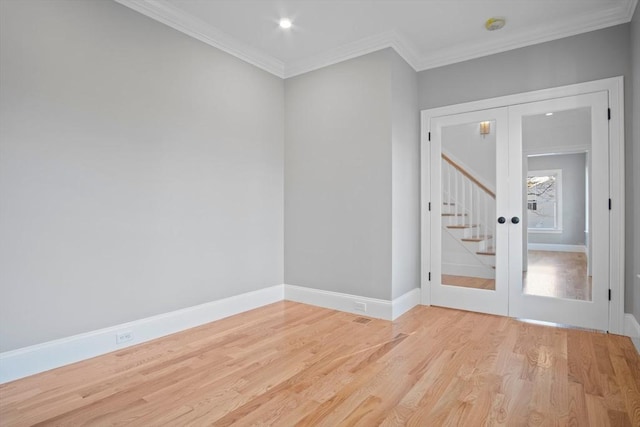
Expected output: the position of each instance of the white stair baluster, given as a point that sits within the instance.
(484, 223)
(463, 181)
(455, 186)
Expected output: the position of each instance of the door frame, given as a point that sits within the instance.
(614, 87)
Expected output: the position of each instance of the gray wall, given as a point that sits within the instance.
(405, 170)
(633, 143)
(573, 198)
(352, 178)
(140, 170)
(567, 130)
(585, 57)
(473, 152)
(338, 177)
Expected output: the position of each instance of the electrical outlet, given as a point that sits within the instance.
(124, 336)
(360, 306)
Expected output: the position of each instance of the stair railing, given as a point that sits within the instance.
(470, 201)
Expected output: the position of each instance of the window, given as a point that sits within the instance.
(544, 200)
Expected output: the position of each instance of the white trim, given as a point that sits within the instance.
(566, 149)
(163, 11)
(631, 326)
(405, 302)
(614, 87)
(556, 247)
(608, 84)
(378, 308)
(425, 210)
(632, 329)
(37, 358)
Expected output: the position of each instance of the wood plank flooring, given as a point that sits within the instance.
(469, 282)
(292, 364)
(551, 274)
(558, 274)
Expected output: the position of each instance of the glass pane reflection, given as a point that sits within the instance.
(468, 168)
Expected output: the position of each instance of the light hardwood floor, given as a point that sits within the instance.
(558, 274)
(551, 274)
(469, 282)
(293, 364)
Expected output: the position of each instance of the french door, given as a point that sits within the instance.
(519, 222)
(562, 287)
(469, 179)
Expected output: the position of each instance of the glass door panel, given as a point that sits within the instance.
(469, 175)
(564, 277)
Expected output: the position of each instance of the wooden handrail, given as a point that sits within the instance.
(468, 175)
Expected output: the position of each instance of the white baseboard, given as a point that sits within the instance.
(38, 358)
(631, 326)
(406, 302)
(556, 247)
(378, 308)
(31, 360)
(632, 329)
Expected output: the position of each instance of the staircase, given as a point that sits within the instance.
(468, 212)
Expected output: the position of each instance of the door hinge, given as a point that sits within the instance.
(608, 113)
(609, 294)
(429, 206)
(609, 204)
(429, 136)
(429, 276)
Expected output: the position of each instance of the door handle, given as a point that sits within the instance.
(515, 220)
(502, 220)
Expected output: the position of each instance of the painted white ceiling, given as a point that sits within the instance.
(427, 33)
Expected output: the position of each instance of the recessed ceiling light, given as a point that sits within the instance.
(549, 114)
(494, 23)
(285, 23)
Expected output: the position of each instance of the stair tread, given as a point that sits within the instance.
(488, 251)
(476, 239)
(462, 226)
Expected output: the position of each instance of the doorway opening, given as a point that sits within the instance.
(557, 234)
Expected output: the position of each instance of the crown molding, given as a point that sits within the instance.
(162, 11)
(353, 50)
(541, 34)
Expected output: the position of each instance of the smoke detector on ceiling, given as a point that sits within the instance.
(495, 23)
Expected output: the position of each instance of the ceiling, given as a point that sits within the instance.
(426, 33)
